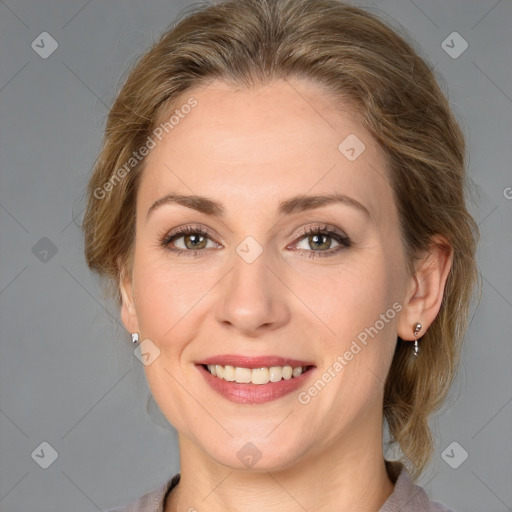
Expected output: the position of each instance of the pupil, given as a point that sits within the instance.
(195, 239)
(320, 240)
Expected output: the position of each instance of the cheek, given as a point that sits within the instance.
(163, 300)
(359, 307)
(161, 295)
(350, 298)
(168, 303)
(172, 302)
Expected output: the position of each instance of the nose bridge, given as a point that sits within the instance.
(252, 299)
(250, 270)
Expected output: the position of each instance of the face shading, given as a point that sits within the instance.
(269, 272)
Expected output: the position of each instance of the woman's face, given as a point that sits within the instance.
(266, 276)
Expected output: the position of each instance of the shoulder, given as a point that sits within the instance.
(439, 507)
(407, 496)
(152, 501)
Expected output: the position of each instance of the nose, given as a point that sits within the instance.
(253, 300)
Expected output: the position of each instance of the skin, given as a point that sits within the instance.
(250, 150)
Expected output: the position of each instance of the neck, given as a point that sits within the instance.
(346, 477)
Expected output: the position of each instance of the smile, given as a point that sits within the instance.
(254, 380)
(259, 376)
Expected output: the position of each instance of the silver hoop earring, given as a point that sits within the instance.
(417, 329)
(135, 337)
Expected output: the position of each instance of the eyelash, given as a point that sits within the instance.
(342, 239)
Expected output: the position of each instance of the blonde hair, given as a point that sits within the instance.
(360, 61)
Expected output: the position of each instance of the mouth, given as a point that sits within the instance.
(254, 380)
(257, 376)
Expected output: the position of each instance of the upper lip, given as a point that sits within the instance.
(253, 362)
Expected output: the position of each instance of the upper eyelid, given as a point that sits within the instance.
(184, 230)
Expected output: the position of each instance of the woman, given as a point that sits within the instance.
(279, 209)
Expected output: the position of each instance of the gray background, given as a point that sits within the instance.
(68, 376)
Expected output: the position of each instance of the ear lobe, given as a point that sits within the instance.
(427, 286)
(128, 313)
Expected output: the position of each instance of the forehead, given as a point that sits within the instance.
(253, 147)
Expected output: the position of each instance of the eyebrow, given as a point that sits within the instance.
(294, 204)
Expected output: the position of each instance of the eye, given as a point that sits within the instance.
(318, 241)
(313, 241)
(188, 240)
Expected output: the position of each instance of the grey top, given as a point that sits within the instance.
(406, 497)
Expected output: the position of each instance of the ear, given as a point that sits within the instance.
(128, 313)
(426, 289)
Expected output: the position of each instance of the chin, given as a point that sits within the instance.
(256, 454)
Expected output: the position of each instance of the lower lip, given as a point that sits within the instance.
(254, 393)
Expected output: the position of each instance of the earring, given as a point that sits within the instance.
(135, 337)
(417, 329)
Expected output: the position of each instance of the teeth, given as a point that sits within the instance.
(229, 373)
(255, 375)
(243, 375)
(275, 373)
